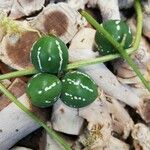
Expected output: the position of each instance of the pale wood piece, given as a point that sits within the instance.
(141, 136)
(65, 119)
(15, 124)
(60, 20)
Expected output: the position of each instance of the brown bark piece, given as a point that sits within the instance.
(17, 88)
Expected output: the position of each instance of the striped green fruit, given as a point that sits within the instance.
(44, 89)
(49, 54)
(78, 89)
(117, 29)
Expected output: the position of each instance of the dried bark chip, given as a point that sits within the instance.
(19, 120)
(56, 22)
(146, 110)
(4, 68)
(19, 53)
(59, 19)
(42, 113)
(17, 88)
(62, 110)
(29, 1)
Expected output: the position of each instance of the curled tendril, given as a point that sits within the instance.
(11, 26)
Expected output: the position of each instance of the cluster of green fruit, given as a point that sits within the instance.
(49, 56)
(76, 89)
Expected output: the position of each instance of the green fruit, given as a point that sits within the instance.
(117, 29)
(78, 89)
(49, 54)
(44, 89)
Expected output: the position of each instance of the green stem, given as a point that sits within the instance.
(117, 45)
(18, 73)
(134, 67)
(74, 65)
(138, 34)
(35, 118)
(70, 66)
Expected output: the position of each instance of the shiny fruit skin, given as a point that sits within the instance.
(44, 89)
(117, 29)
(78, 89)
(49, 54)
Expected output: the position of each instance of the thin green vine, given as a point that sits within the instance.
(139, 16)
(52, 133)
(18, 73)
